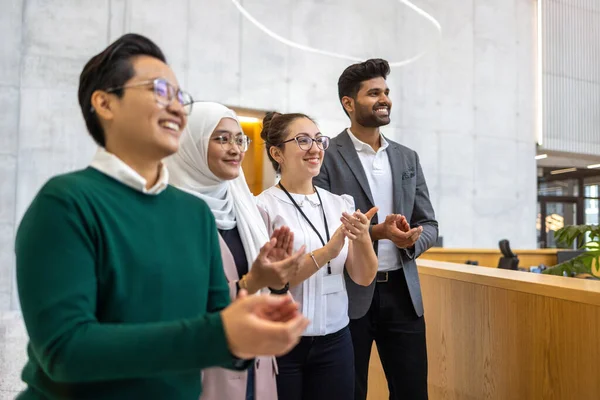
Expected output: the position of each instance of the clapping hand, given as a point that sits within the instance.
(276, 263)
(356, 225)
(262, 325)
(398, 230)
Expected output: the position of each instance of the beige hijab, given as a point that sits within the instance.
(231, 202)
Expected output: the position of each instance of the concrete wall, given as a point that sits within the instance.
(467, 107)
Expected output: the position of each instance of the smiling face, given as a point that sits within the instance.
(304, 164)
(136, 121)
(372, 105)
(224, 158)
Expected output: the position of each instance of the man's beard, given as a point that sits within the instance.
(368, 119)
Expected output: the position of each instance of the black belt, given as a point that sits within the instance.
(384, 277)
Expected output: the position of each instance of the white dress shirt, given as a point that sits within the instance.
(113, 166)
(379, 174)
(328, 313)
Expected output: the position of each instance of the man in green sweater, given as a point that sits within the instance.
(119, 274)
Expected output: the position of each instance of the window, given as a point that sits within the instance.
(568, 187)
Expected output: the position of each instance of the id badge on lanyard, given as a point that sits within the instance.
(333, 283)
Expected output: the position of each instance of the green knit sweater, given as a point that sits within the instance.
(119, 291)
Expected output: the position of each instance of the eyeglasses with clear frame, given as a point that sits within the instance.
(306, 142)
(227, 141)
(164, 93)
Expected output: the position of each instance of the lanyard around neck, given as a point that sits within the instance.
(308, 220)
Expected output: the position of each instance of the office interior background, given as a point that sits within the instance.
(500, 98)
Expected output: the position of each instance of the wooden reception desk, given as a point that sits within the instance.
(490, 257)
(498, 334)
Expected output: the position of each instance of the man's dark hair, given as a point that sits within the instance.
(111, 68)
(352, 77)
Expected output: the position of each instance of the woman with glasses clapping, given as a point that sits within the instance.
(208, 165)
(321, 366)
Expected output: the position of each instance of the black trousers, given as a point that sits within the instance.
(250, 390)
(318, 368)
(400, 338)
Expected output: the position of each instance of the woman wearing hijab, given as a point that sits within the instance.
(208, 165)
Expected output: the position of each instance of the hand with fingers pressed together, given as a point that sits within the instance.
(262, 325)
(356, 225)
(276, 263)
(398, 230)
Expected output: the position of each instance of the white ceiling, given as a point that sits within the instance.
(566, 160)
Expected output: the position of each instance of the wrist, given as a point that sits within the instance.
(228, 329)
(377, 232)
(365, 239)
(329, 252)
(252, 283)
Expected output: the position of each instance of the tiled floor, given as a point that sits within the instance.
(13, 343)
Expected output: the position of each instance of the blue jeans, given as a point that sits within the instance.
(318, 368)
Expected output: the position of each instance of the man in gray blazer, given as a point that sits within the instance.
(379, 172)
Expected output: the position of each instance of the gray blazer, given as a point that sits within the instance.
(343, 173)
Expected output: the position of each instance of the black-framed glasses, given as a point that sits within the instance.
(241, 141)
(164, 93)
(306, 142)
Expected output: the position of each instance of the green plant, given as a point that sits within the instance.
(585, 263)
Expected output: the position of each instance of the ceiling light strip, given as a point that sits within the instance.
(302, 47)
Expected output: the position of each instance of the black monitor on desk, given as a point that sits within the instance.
(566, 255)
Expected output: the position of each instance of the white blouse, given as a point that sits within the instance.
(328, 312)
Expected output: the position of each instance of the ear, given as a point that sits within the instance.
(102, 103)
(348, 104)
(276, 154)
